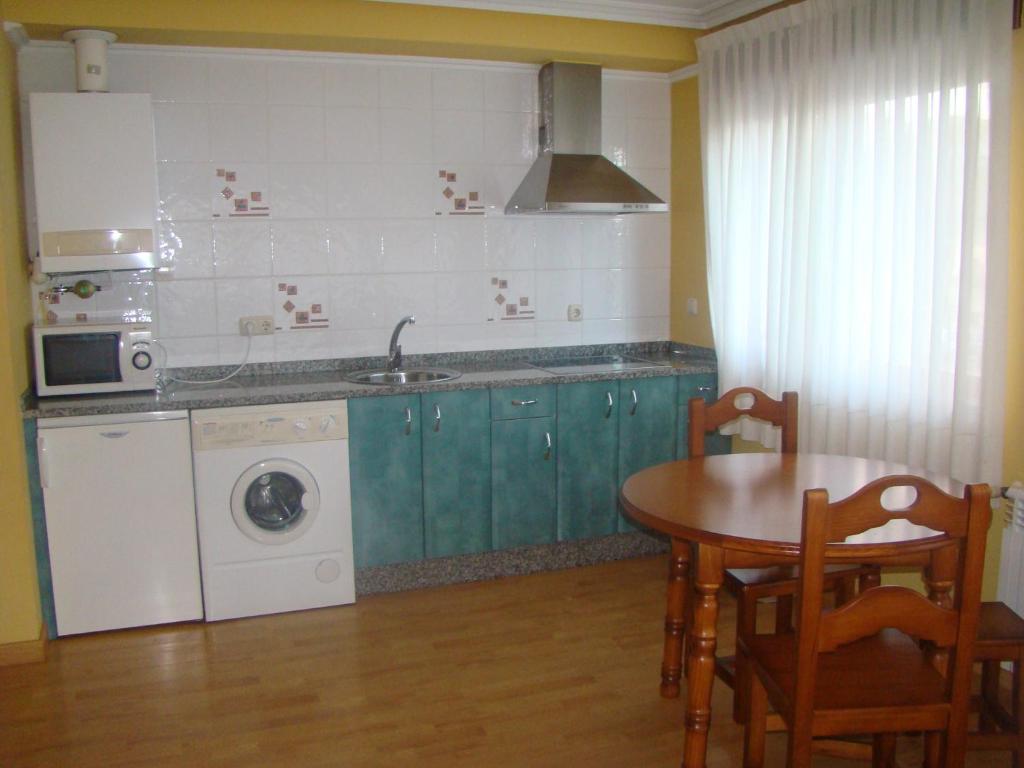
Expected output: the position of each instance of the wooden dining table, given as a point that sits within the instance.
(744, 510)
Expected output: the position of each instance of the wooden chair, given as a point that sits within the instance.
(750, 585)
(1000, 638)
(861, 668)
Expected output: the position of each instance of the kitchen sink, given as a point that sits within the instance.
(410, 376)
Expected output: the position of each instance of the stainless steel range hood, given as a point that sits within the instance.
(571, 175)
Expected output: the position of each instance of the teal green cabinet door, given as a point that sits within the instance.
(456, 472)
(647, 427)
(385, 460)
(698, 385)
(588, 439)
(523, 503)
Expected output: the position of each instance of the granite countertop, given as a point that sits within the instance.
(269, 383)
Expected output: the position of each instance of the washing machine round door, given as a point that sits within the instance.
(275, 501)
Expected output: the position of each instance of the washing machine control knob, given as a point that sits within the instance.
(300, 427)
(326, 423)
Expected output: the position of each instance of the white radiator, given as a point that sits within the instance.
(1011, 564)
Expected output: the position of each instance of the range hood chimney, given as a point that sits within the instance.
(570, 174)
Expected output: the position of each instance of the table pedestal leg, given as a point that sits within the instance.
(700, 659)
(675, 612)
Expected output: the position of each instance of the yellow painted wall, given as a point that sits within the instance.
(366, 27)
(19, 597)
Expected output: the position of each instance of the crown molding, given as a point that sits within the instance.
(684, 73)
(681, 13)
(724, 11)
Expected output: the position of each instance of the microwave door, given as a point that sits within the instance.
(81, 358)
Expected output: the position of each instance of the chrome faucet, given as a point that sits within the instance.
(394, 348)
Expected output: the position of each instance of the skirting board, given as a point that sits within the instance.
(26, 652)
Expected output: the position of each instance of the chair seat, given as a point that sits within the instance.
(901, 677)
(1000, 632)
(783, 579)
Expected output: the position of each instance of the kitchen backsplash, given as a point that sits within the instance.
(338, 193)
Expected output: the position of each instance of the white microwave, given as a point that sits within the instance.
(92, 359)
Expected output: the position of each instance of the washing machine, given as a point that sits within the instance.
(273, 508)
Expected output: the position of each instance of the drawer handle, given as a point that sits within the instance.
(608, 413)
(636, 403)
(437, 417)
(523, 402)
(113, 435)
(704, 389)
(408, 421)
(547, 446)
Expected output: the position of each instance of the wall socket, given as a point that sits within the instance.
(575, 312)
(262, 325)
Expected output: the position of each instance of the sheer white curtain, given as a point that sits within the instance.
(856, 189)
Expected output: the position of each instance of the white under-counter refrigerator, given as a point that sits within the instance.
(120, 520)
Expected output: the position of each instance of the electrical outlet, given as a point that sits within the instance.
(575, 312)
(691, 306)
(256, 325)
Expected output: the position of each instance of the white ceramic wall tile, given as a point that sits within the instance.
(299, 190)
(184, 190)
(241, 80)
(510, 243)
(355, 246)
(300, 247)
(127, 301)
(351, 84)
(186, 249)
(182, 131)
(129, 72)
(407, 246)
(605, 242)
(242, 297)
(458, 137)
(461, 298)
(353, 134)
(649, 99)
(355, 190)
(184, 352)
(379, 301)
(658, 180)
(648, 142)
(307, 345)
(649, 241)
(238, 132)
(614, 96)
(405, 87)
(295, 82)
(177, 77)
(459, 243)
(510, 137)
(556, 290)
(231, 349)
(468, 338)
(186, 308)
(559, 333)
(405, 136)
(407, 190)
(613, 139)
(510, 91)
(559, 243)
(625, 293)
(458, 89)
(295, 133)
(241, 248)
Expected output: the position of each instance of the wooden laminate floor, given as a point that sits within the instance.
(554, 669)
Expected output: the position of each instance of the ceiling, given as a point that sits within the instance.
(696, 14)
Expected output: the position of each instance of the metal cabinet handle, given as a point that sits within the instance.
(704, 389)
(524, 402)
(636, 403)
(44, 462)
(113, 435)
(437, 417)
(408, 421)
(608, 413)
(547, 446)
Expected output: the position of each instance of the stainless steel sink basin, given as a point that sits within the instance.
(410, 376)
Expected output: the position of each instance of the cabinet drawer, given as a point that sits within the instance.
(697, 385)
(522, 402)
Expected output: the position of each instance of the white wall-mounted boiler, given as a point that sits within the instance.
(94, 167)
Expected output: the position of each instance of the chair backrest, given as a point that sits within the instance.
(706, 417)
(963, 520)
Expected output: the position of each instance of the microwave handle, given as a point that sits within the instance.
(44, 462)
